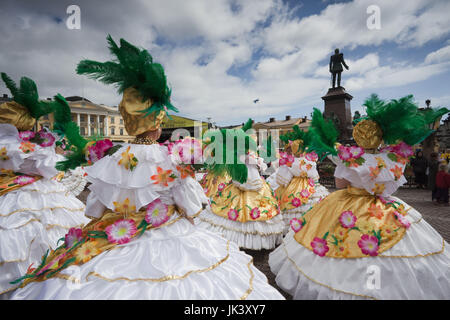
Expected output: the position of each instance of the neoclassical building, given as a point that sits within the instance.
(98, 119)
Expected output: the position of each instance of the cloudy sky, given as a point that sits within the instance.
(220, 55)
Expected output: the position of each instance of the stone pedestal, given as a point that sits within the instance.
(337, 105)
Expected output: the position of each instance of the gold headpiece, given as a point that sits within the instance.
(131, 108)
(368, 134)
(16, 114)
(295, 147)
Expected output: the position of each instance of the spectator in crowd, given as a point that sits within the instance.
(432, 172)
(442, 185)
(420, 164)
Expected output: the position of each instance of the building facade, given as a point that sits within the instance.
(281, 126)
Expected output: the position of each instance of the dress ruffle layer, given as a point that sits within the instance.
(111, 182)
(32, 219)
(181, 262)
(255, 235)
(41, 161)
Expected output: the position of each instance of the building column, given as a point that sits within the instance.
(78, 120)
(105, 125)
(89, 124)
(98, 124)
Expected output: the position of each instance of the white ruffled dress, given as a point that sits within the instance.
(34, 217)
(284, 175)
(176, 261)
(417, 267)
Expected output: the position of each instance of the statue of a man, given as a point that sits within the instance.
(336, 63)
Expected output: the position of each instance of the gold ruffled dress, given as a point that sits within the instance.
(362, 242)
(211, 183)
(246, 214)
(297, 188)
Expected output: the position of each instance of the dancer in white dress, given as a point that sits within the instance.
(296, 181)
(243, 209)
(142, 243)
(361, 242)
(35, 209)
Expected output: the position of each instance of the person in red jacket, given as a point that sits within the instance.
(442, 185)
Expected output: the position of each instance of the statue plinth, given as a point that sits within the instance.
(337, 105)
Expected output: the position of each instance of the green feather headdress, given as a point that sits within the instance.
(297, 134)
(27, 95)
(132, 67)
(65, 126)
(401, 120)
(323, 135)
(237, 171)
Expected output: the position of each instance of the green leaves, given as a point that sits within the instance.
(97, 234)
(392, 157)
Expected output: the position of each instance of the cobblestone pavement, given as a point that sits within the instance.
(437, 216)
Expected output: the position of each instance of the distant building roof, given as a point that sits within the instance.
(76, 98)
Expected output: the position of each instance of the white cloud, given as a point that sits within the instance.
(441, 55)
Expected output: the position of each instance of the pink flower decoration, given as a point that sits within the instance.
(311, 182)
(312, 156)
(296, 225)
(290, 158)
(157, 213)
(305, 193)
(170, 146)
(347, 219)
(99, 149)
(74, 235)
(221, 186)
(387, 149)
(403, 150)
(188, 151)
(24, 180)
(402, 219)
(286, 159)
(121, 231)
(296, 202)
(255, 213)
(233, 214)
(52, 263)
(368, 245)
(356, 152)
(26, 135)
(319, 246)
(344, 153)
(48, 138)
